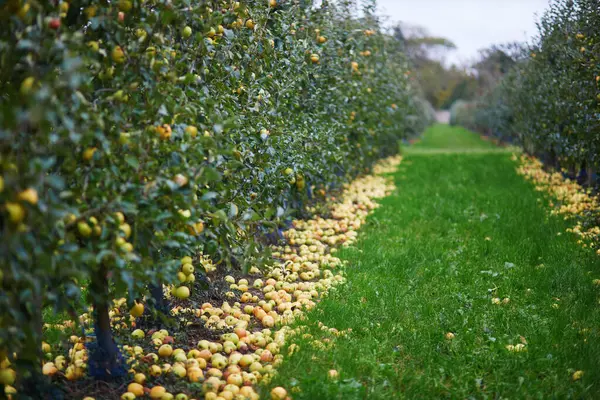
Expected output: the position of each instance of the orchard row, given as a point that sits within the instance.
(139, 133)
(550, 99)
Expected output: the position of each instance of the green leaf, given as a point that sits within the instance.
(132, 161)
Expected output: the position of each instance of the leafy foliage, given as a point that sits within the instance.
(135, 132)
(549, 101)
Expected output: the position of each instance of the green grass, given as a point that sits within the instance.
(443, 137)
(423, 267)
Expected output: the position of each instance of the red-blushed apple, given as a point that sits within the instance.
(54, 23)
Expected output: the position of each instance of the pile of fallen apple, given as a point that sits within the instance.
(567, 198)
(256, 317)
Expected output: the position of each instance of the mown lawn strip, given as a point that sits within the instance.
(460, 286)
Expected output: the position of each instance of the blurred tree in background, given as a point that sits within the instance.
(442, 84)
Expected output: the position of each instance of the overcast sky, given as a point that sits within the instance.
(470, 24)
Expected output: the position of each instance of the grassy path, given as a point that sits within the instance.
(462, 230)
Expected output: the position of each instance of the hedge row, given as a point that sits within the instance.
(550, 101)
(136, 132)
(462, 113)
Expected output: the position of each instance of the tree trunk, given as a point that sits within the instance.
(32, 382)
(105, 361)
(591, 176)
(155, 316)
(161, 304)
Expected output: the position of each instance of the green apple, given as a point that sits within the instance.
(182, 292)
